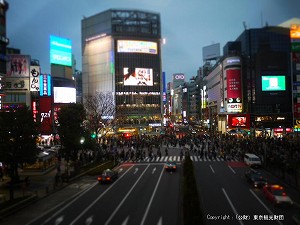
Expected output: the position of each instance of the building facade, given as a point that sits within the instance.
(122, 55)
(3, 43)
(250, 87)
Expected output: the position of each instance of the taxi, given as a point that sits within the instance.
(277, 195)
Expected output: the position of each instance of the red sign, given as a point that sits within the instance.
(45, 115)
(234, 90)
(239, 121)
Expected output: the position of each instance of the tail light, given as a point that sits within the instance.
(99, 178)
(107, 178)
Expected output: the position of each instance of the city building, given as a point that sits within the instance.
(3, 43)
(121, 52)
(249, 88)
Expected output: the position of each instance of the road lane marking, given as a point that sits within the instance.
(124, 199)
(231, 169)
(263, 204)
(136, 170)
(152, 197)
(125, 221)
(160, 221)
(97, 199)
(231, 205)
(153, 171)
(63, 208)
(89, 220)
(59, 220)
(211, 169)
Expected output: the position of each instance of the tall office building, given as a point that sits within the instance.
(122, 54)
(3, 43)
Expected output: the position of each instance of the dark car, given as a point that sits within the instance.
(170, 166)
(108, 176)
(255, 178)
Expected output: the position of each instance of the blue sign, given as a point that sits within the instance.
(60, 51)
(45, 85)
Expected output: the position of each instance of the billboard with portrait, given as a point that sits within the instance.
(17, 66)
(60, 51)
(137, 76)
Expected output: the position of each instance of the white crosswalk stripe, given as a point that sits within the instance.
(194, 158)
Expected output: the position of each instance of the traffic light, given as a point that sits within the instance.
(93, 135)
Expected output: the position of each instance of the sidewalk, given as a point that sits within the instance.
(41, 184)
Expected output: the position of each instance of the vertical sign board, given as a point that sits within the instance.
(45, 115)
(234, 90)
(45, 85)
(295, 49)
(164, 87)
(34, 81)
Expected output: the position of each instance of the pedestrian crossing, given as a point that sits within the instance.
(194, 158)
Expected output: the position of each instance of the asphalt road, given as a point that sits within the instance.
(144, 194)
(227, 197)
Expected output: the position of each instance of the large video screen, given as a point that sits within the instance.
(64, 95)
(273, 83)
(147, 47)
(138, 76)
(238, 121)
(60, 51)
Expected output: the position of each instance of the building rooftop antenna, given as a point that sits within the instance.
(244, 24)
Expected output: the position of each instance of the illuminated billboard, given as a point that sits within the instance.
(45, 85)
(60, 51)
(138, 76)
(34, 80)
(295, 31)
(64, 95)
(234, 90)
(238, 121)
(273, 83)
(130, 46)
(17, 65)
(45, 115)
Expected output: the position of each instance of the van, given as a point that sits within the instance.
(252, 160)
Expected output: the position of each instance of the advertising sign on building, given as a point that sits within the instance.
(34, 80)
(234, 90)
(45, 115)
(17, 66)
(60, 51)
(138, 76)
(132, 46)
(295, 31)
(45, 85)
(17, 84)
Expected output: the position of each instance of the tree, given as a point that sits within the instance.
(71, 129)
(17, 140)
(100, 110)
